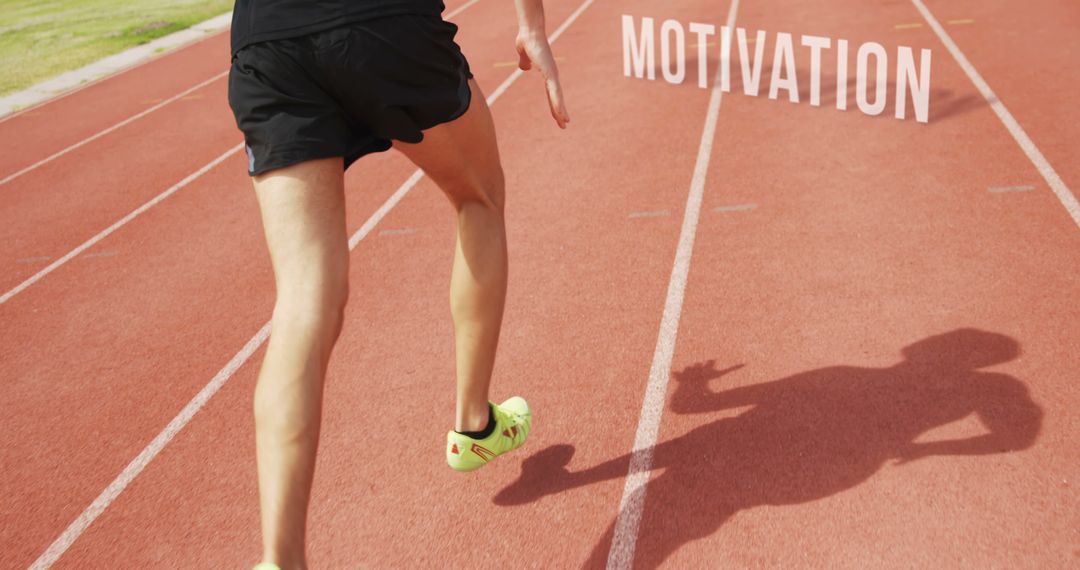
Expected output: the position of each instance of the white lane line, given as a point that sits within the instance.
(460, 9)
(102, 502)
(627, 525)
(656, 214)
(397, 232)
(108, 130)
(735, 208)
(118, 224)
(1034, 155)
(156, 107)
(61, 544)
(89, 243)
(1001, 189)
(100, 254)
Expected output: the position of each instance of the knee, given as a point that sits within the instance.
(488, 190)
(313, 306)
(497, 189)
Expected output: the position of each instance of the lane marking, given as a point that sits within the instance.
(735, 208)
(632, 504)
(206, 168)
(37, 259)
(211, 25)
(1064, 195)
(999, 189)
(106, 498)
(118, 224)
(101, 254)
(656, 214)
(460, 9)
(61, 544)
(908, 26)
(397, 232)
(108, 130)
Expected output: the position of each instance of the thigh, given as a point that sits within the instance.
(303, 213)
(462, 156)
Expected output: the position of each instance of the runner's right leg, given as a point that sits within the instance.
(462, 157)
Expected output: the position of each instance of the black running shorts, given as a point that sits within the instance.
(347, 91)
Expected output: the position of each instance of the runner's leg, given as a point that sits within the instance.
(462, 157)
(303, 213)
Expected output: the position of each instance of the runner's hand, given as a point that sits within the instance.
(533, 48)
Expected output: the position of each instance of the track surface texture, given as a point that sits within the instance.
(873, 363)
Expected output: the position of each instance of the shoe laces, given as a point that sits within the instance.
(515, 420)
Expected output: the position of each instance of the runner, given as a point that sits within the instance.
(315, 86)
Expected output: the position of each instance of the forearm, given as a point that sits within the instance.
(530, 15)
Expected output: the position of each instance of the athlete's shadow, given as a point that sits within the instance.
(802, 438)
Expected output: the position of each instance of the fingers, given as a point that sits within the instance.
(554, 90)
(524, 63)
(555, 101)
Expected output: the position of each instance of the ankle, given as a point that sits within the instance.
(476, 420)
(279, 564)
(286, 558)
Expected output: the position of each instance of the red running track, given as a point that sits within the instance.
(875, 297)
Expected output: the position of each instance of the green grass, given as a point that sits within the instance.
(43, 38)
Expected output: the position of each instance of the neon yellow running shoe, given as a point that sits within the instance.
(513, 420)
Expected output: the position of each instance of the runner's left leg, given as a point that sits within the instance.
(303, 214)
